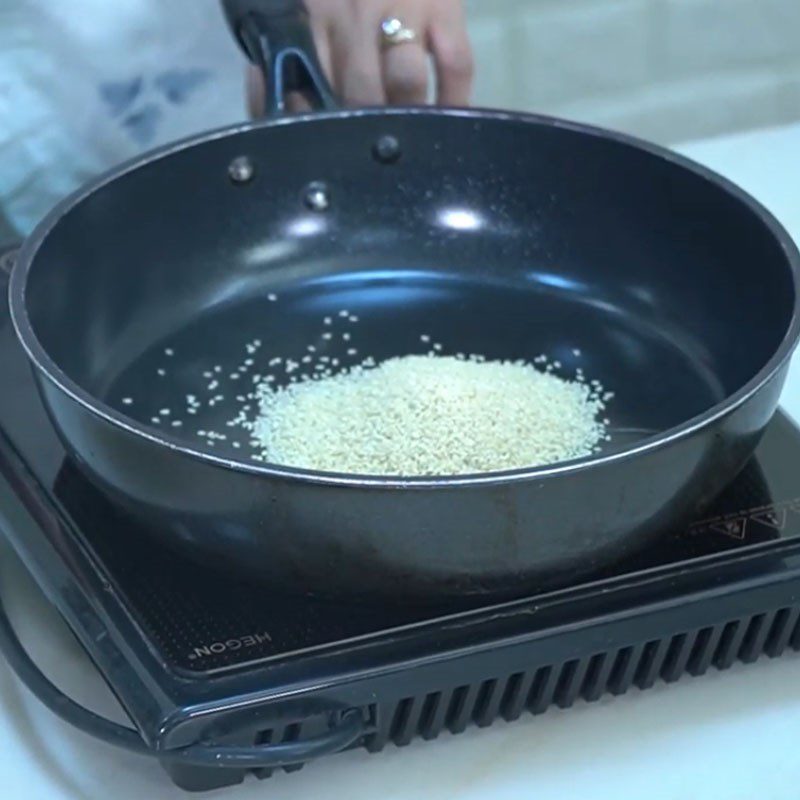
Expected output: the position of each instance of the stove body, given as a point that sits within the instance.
(199, 656)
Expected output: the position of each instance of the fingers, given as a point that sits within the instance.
(255, 92)
(405, 74)
(452, 56)
(355, 56)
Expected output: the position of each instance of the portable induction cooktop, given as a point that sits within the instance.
(200, 657)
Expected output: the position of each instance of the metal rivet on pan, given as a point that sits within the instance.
(386, 149)
(316, 196)
(241, 170)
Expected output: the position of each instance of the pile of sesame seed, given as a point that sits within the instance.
(429, 415)
(416, 415)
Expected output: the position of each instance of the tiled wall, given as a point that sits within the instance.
(670, 70)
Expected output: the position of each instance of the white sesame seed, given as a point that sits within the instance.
(553, 418)
(127, 401)
(165, 412)
(168, 351)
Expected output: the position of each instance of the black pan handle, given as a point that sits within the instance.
(8, 258)
(275, 35)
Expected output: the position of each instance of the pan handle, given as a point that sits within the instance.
(8, 258)
(275, 35)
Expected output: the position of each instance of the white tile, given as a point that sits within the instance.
(495, 77)
(692, 109)
(578, 49)
(789, 93)
(702, 35)
(666, 69)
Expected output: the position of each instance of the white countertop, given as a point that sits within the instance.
(726, 735)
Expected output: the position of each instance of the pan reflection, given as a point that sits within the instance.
(460, 219)
(306, 226)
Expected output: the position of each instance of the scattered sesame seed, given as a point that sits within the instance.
(168, 351)
(127, 401)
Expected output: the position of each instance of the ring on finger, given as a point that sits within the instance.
(394, 32)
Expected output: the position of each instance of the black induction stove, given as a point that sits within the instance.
(199, 656)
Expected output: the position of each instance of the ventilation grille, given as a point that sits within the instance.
(535, 690)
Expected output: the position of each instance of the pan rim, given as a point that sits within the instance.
(50, 371)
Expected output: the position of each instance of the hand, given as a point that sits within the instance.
(365, 72)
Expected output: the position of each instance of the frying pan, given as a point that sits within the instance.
(497, 233)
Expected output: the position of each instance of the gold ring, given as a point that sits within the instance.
(394, 32)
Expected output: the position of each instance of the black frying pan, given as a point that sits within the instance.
(497, 233)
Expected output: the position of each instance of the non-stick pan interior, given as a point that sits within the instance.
(211, 362)
(502, 237)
